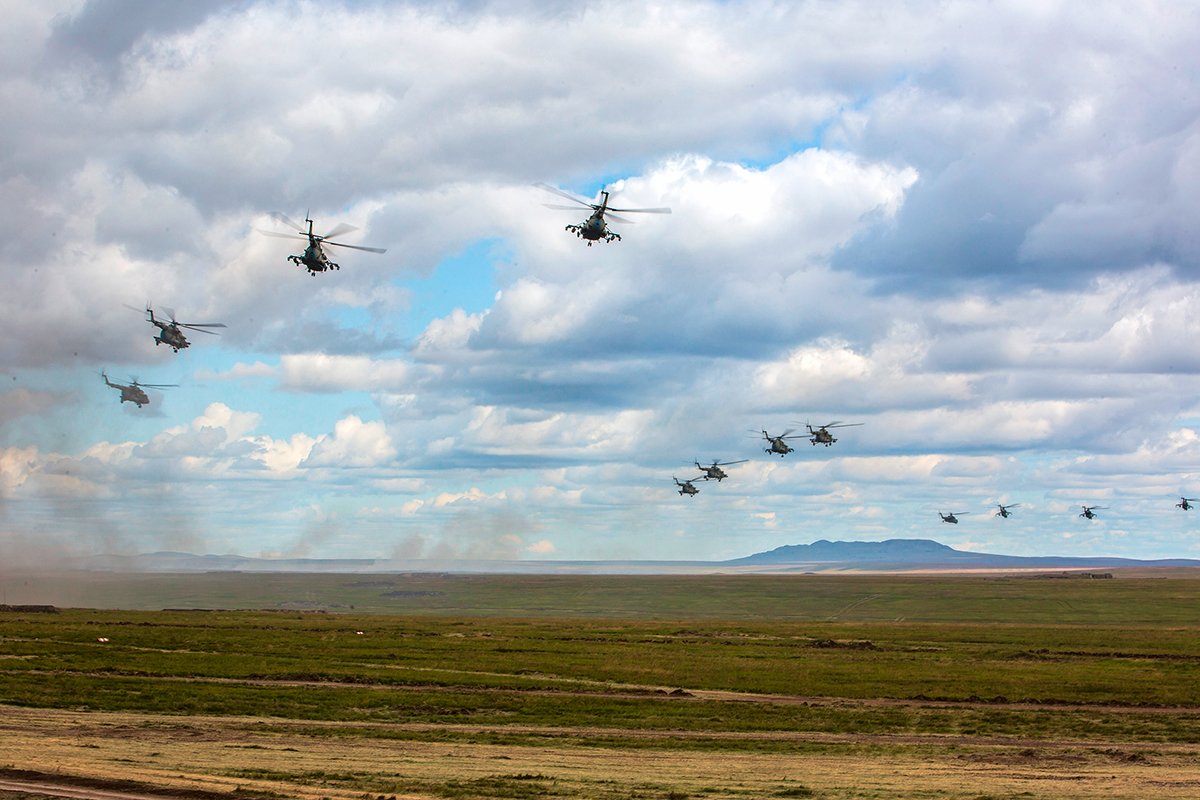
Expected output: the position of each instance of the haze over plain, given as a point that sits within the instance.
(970, 228)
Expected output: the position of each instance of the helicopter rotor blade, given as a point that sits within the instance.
(357, 247)
(608, 215)
(561, 193)
(727, 463)
(156, 385)
(641, 210)
(281, 235)
(287, 221)
(339, 229)
(557, 207)
(200, 326)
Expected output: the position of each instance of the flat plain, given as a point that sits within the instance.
(720, 686)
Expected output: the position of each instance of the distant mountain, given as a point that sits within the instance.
(910, 553)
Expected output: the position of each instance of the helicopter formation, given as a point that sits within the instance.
(777, 445)
(314, 259)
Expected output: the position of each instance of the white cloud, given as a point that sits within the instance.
(354, 443)
(319, 372)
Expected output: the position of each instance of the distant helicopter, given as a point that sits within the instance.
(170, 333)
(1003, 512)
(1087, 511)
(714, 470)
(686, 487)
(821, 434)
(593, 228)
(314, 258)
(779, 443)
(1186, 503)
(133, 393)
(953, 516)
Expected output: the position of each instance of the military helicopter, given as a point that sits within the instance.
(593, 228)
(686, 487)
(170, 333)
(314, 258)
(714, 470)
(953, 516)
(1186, 503)
(1087, 511)
(821, 434)
(133, 393)
(779, 443)
(1004, 510)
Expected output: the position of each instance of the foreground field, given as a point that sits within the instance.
(553, 702)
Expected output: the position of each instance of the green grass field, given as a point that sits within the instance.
(589, 662)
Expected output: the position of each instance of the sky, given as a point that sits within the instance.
(969, 227)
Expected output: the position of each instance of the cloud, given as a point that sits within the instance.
(542, 547)
(354, 443)
(321, 372)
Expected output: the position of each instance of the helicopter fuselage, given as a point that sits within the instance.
(594, 229)
(129, 394)
(714, 473)
(953, 520)
(688, 489)
(778, 445)
(313, 259)
(134, 394)
(170, 335)
(822, 436)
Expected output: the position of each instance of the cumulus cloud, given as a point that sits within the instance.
(354, 443)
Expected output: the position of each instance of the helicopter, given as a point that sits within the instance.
(1087, 511)
(714, 470)
(1004, 510)
(594, 228)
(134, 392)
(314, 258)
(170, 333)
(779, 443)
(952, 517)
(821, 434)
(1186, 503)
(686, 487)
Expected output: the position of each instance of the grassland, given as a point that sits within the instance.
(440, 686)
